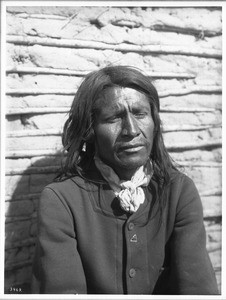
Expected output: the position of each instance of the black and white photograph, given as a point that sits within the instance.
(111, 149)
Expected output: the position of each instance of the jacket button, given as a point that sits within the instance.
(130, 226)
(132, 273)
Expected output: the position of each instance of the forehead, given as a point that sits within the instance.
(119, 96)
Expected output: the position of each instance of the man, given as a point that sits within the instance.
(120, 218)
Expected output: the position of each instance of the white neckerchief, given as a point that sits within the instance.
(129, 193)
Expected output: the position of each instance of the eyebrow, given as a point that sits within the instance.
(121, 110)
(134, 106)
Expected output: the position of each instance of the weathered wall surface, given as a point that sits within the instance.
(50, 49)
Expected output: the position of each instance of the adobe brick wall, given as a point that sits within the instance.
(50, 49)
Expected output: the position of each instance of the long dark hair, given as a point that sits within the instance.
(78, 133)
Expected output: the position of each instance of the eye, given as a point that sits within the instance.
(112, 119)
(140, 115)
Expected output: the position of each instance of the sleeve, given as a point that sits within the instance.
(57, 267)
(191, 272)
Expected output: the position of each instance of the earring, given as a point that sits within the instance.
(84, 147)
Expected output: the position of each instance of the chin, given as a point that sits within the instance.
(133, 163)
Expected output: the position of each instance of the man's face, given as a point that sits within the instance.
(124, 129)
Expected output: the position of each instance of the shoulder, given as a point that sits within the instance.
(183, 191)
(181, 180)
(89, 180)
(65, 191)
(73, 183)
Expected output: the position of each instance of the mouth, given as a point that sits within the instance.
(131, 148)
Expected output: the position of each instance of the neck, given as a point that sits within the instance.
(125, 174)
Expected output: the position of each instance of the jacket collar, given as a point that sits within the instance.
(105, 202)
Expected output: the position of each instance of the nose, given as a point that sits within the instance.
(130, 127)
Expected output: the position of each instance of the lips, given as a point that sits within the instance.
(131, 147)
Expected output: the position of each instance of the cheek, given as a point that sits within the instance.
(152, 131)
(148, 131)
(105, 136)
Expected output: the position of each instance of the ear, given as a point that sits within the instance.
(90, 136)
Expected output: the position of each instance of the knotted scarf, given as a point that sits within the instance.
(129, 193)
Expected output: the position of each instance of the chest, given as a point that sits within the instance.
(120, 253)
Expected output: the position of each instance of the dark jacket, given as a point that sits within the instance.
(87, 245)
